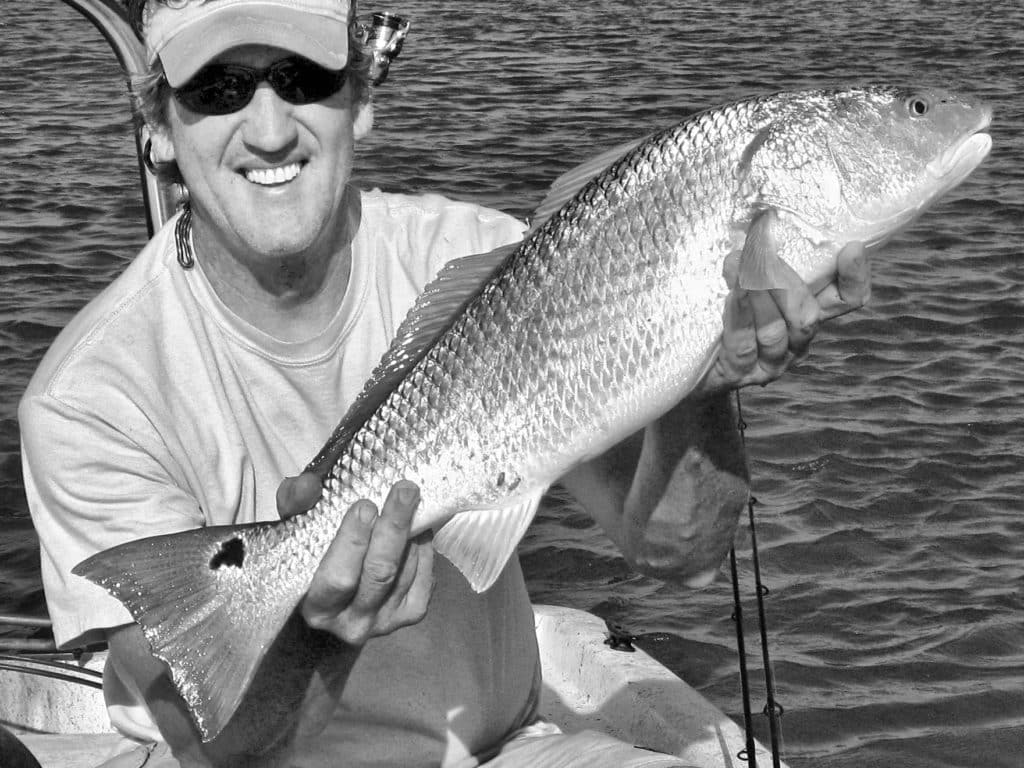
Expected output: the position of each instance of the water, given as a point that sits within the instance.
(888, 465)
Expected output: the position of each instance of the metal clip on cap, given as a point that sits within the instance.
(383, 42)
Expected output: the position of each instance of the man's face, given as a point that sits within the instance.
(267, 181)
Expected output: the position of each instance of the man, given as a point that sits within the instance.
(223, 357)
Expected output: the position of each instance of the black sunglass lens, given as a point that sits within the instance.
(218, 90)
(234, 89)
(303, 82)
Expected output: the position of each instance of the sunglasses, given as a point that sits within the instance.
(220, 89)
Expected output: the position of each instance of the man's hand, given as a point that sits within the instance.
(374, 578)
(767, 331)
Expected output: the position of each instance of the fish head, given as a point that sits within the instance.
(860, 164)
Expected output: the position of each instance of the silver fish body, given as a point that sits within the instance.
(605, 316)
(609, 312)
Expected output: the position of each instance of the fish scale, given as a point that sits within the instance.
(516, 366)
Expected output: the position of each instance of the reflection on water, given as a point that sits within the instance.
(888, 465)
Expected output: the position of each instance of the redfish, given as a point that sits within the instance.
(516, 366)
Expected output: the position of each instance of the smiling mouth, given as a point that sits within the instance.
(271, 177)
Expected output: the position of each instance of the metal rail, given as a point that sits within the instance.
(160, 199)
(111, 19)
(383, 38)
(25, 644)
(37, 622)
(60, 666)
(39, 650)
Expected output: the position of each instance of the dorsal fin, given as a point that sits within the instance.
(441, 302)
(572, 181)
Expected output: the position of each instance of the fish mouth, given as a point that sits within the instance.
(947, 170)
(953, 165)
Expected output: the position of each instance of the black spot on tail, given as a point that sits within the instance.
(231, 552)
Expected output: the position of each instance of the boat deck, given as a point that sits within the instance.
(586, 685)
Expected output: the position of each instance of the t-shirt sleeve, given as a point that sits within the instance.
(467, 229)
(90, 486)
(414, 236)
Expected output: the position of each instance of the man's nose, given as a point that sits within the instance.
(269, 121)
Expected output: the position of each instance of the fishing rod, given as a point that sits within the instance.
(772, 708)
(39, 656)
(111, 19)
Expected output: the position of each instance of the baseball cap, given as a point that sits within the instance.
(187, 34)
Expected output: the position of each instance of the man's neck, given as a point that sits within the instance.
(292, 298)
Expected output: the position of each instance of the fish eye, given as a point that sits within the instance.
(917, 106)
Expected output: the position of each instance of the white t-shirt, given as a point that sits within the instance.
(158, 410)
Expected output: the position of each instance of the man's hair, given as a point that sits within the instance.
(151, 92)
(134, 8)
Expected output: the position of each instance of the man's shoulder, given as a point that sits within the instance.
(403, 204)
(405, 239)
(113, 323)
(432, 216)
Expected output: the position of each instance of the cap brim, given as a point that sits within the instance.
(317, 38)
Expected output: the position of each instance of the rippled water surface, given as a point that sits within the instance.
(888, 466)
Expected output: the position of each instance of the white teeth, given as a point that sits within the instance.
(270, 176)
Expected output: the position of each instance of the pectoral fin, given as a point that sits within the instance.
(480, 542)
(760, 266)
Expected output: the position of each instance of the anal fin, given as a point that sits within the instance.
(480, 542)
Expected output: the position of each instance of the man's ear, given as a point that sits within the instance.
(163, 149)
(363, 122)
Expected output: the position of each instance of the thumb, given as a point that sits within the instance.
(298, 494)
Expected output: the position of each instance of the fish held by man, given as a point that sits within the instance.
(515, 366)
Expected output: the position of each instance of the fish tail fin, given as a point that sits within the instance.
(760, 266)
(202, 610)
